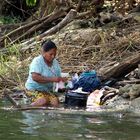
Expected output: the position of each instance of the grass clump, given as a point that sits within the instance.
(9, 20)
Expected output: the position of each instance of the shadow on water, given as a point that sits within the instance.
(71, 125)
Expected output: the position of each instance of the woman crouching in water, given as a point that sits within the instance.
(44, 70)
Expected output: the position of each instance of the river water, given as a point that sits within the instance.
(55, 125)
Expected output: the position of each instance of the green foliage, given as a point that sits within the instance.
(11, 65)
(31, 2)
(3, 68)
(8, 20)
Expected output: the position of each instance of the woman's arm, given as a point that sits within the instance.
(42, 79)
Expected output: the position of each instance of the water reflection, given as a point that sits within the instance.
(42, 124)
(57, 125)
(34, 121)
(70, 126)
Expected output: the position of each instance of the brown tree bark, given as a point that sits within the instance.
(123, 68)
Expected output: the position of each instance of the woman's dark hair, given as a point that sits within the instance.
(48, 45)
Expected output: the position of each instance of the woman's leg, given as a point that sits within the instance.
(39, 102)
(44, 99)
(40, 99)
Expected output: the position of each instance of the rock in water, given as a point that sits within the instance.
(130, 91)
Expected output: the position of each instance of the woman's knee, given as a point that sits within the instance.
(39, 102)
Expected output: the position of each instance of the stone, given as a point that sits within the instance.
(130, 91)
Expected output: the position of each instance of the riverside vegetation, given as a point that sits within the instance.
(98, 42)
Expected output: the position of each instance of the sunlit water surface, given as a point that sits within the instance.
(51, 125)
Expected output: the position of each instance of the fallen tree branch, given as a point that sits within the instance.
(34, 29)
(125, 82)
(123, 68)
(69, 17)
(84, 14)
(27, 30)
(8, 81)
(4, 29)
(78, 8)
(20, 30)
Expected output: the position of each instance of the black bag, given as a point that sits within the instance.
(74, 99)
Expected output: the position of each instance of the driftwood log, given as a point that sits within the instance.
(125, 82)
(123, 68)
(68, 18)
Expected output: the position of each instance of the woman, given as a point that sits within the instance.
(43, 72)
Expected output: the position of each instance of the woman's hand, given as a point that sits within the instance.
(64, 79)
(58, 79)
(41, 79)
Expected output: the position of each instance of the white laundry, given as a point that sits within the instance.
(59, 85)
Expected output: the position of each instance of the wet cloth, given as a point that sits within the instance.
(99, 97)
(38, 65)
(34, 95)
(94, 99)
(88, 80)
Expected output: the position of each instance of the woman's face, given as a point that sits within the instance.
(50, 55)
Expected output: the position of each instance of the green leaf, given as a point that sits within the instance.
(31, 2)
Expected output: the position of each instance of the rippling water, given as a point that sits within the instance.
(50, 125)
